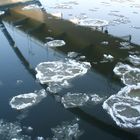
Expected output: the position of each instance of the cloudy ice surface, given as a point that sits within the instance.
(125, 111)
(124, 107)
(132, 91)
(55, 43)
(71, 100)
(68, 130)
(129, 75)
(11, 131)
(134, 59)
(58, 71)
(55, 87)
(26, 100)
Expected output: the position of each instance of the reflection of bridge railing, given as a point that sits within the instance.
(127, 38)
(114, 130)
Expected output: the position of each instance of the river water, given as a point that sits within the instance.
(52, 88)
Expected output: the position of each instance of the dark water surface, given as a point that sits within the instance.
(17, 77)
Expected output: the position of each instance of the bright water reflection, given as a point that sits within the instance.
(122, 15)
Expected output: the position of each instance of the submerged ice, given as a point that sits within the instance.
(55, 87)
(11, 131)
(58, 71)
(67, 131)
(124, 107)
(26, 100)
(71, 100)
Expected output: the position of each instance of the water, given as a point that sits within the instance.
(48, 117)
(123, 15)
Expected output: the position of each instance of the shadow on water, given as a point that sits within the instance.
(83, 40)
(111, 129)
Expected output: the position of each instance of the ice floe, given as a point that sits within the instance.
(11, 131)
(26, 100)
(49, 38)
(104, 42)
(124, 107)
(62, 6)
(2, 13)
(31, 6)
(108, 57)
(89, 22)
(125, 45)
(55, 87)
(55, 43)
(129, 75)
(71, 100)
(72, 54)
(66, 131)
(57, 14)
(58, 71)
(134, 59)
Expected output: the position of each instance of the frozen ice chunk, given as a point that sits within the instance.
(132, 92)
(23, 101)
(128, 74)
(71, 100)
(89, 22)
(55, 43)
(40, 138)
(49, 38)
(55, 87)
(67, 131)
(108, 57)
(104, 42)
(124, 111)
(11, 131)
(58, 71)
(72, 54)
(31, 6)
(62, 6)
(131, 77)
(58, 14)
(121, 68)
(125, 45)
(134, 59)
(95, 99)
(2, 13)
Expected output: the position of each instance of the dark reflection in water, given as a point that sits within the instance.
(27, 42)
